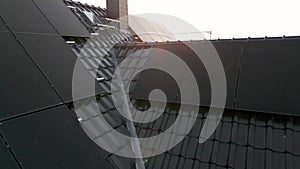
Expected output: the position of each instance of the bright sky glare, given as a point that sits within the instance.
(226, 19)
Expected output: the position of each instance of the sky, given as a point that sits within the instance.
(226, 18)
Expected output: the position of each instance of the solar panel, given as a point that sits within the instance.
(197, 68)
(230, 54)
(151, 79)
(24, 16)
(23, 87)
(56, 60)
(269, 79)
(2, 26)
(6, 158)
(63, 20)
(52, 139)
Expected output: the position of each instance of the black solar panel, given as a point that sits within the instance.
(197, 67)
(52, 139)
(151, 79)
(230, 54)
(56, 60)
(269, 78)
(63, 20)
(23, 87)
(6, 157)
(24, 16)
(2, 26)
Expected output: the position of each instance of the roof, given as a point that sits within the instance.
(39, 127)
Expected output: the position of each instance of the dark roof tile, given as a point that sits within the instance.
(296, 123)
(204, 166)
(196, 164)
(167, 161)
(237, 156)
(181, 163)
(240, 134)
(188, 163)
(280, 122)
(260, 134)
(276, 140)
(197, 127)
(223, 132)
(204, 151)
(185, 146)
(295, 162)
(258, 159)
(220, 153)
(192, 147)
(243, 118)
(295, 143)
(275, 160)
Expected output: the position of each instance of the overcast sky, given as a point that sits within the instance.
(226, 18)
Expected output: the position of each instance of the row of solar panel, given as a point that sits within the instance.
(237, 58)
(36, 73)
(262, 75)
(41, 17)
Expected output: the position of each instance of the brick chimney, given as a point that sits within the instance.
(117, 9)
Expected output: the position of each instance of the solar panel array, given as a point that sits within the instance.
(39, 127)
